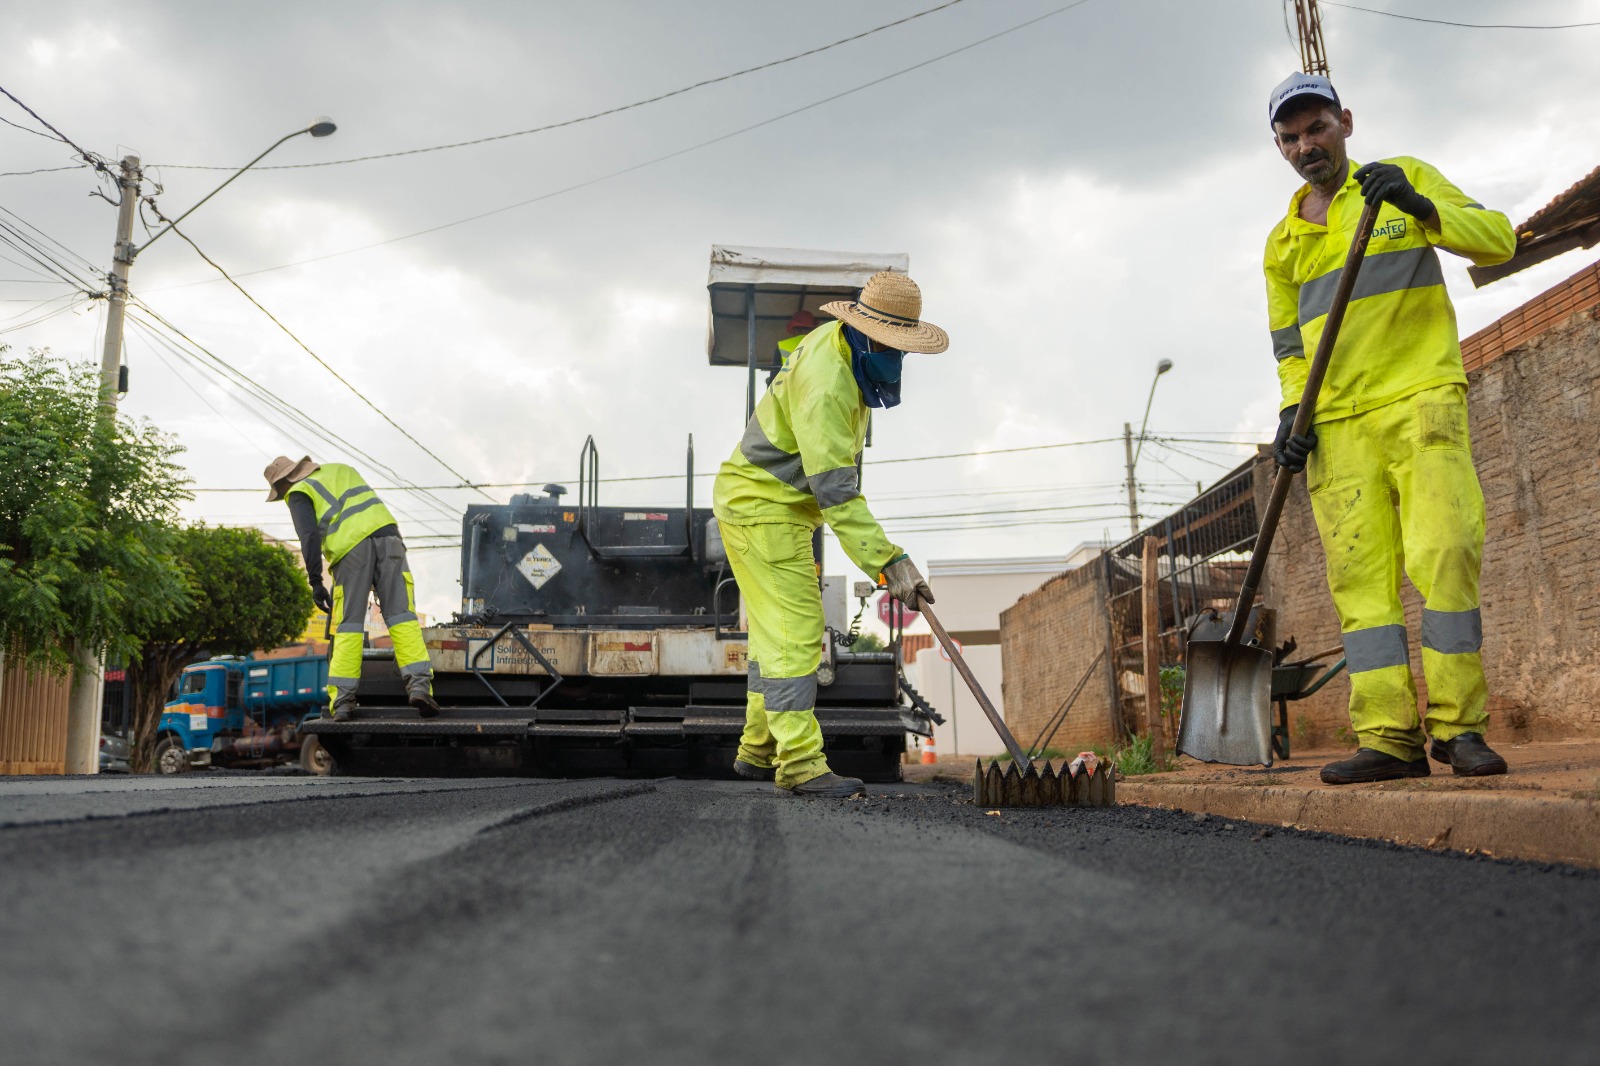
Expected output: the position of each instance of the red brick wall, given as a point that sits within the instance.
(1534, 401)
(1048, 638)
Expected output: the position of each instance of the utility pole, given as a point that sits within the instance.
(1308, 24)
(83, 706)
(122, 254)
(1133, 492)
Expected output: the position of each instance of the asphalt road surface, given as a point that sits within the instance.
(212, 919)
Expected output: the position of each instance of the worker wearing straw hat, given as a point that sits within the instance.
(337, 516)
(798, 466)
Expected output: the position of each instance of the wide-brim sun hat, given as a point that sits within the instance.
(889, 310)
(283, 472)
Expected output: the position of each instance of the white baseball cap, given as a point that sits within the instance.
(1299, 85)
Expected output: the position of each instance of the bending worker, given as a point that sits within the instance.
(336, 515)
(1390, 466)
(795, 468)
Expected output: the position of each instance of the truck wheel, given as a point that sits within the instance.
(170, 757)
(314, 758)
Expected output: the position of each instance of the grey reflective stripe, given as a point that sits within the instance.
(1376, 648)
(336, 513)
(403, 616)
(762, 453)
(833, 487)
(333, 526)
(1452, 632)
(417, 669)
(1475, 207)
(790, 693)
(1286, 343)
(343, 684)
(1409, 268)
(753, 677)
(358, 626)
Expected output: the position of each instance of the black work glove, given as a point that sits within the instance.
(1292, 451)
(322, 597)
(1387, 183)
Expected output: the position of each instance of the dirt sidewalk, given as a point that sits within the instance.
(1547, 808)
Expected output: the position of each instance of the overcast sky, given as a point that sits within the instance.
(1078, 199)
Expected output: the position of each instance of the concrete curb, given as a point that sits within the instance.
(1505, 826)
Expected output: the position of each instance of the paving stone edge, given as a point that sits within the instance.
(1506, 826)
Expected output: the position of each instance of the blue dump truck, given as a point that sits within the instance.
(244, 713)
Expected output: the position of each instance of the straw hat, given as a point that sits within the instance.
(889, 311)
(283, 472)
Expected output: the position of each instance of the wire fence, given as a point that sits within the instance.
(1205, 548)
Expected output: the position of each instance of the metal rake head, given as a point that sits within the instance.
(1082, 783)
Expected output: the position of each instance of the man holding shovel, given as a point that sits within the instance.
(796, 468)
(1388, 462)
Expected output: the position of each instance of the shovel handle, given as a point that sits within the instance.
(1020, 758)
(1302, 419)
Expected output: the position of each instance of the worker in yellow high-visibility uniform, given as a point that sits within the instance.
(337, 516)
(1390, 466)
(796, 468)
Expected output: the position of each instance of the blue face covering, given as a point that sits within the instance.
(877, 373)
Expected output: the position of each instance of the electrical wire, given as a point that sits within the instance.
(284, 417)
(88, 157)
(590, 117)
(1463, 25)
(307, 348)
(649, 162)
(41, 170)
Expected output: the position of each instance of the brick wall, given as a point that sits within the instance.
(1048, 638)
(1534, 402)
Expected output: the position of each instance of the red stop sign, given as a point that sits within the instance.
(886, 603)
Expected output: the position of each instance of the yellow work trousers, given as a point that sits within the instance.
(1394, 489)
(777, 579)
(375, 565)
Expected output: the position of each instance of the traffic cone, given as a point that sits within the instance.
(929, 755)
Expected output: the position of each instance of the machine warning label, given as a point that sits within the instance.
(644, 516)
(197, 721)
(524, 527)
(539, 566)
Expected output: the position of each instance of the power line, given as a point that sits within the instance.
(679, 477)
(301, 426)
(88, 157)
(1464, 25)
(41, 170)
(305, 347)
(649, 162)
(597, 114)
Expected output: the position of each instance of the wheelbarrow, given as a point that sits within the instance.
(1296, 681)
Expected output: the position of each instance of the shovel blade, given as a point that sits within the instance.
(1227, 704)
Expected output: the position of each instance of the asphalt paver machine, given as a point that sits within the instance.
(608, 640)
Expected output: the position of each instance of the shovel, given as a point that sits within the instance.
(1227, 688)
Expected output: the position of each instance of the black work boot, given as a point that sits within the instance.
(752, 772)
(424, 704)
(828, 786)
(343, 712)
(1468, 756)
(1369, 765)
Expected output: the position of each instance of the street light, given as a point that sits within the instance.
(1131, 454)
(321, 126)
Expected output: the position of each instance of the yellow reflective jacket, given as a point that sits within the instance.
(1399, 334)
(797, 459)
(347, 510)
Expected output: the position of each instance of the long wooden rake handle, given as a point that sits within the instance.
(1019, 757)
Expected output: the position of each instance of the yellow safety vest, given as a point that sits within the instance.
(797, 460)
(347, 510)
(1399, 334)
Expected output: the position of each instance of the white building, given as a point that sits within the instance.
(969, 595)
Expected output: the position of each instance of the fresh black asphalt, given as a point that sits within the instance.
(237, 921)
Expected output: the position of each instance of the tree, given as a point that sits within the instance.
(87, 512)
(246, 594)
